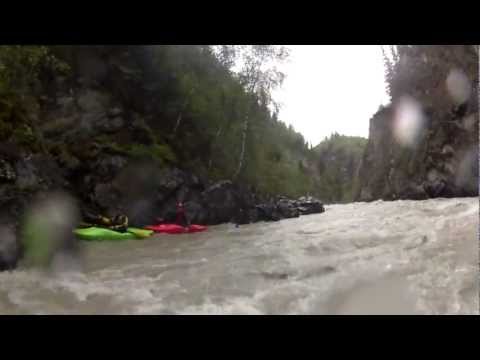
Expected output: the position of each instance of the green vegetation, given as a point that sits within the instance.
(159, 152)
(337, 160)
(162, 153)
(22, 66)
(21, 73)
(208, 109)
(417, 70)
(219, 121)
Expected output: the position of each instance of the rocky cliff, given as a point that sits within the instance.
(103, 135)
(425, 143)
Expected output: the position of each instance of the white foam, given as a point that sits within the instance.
(275, 268)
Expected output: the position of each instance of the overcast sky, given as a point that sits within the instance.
(332, 88)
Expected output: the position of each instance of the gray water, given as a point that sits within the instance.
(402, 257)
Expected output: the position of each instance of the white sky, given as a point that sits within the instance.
(331, 88)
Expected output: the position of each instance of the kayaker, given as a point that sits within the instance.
(93, 219)
(181, 216)
(117, 223)
(120, 223)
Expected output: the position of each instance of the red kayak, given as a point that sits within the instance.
(176, 229)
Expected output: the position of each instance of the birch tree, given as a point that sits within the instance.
(255, 67)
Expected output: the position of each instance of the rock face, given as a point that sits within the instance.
(153, 197)
(425, 144)
(224, 200)
(93, 139)
(7, 173)
(113, 184)
(444, 163)
(9, 249)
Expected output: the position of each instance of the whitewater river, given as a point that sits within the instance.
(401, 257)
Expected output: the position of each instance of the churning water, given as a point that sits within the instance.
(401, 257)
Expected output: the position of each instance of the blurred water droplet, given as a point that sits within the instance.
(467, 171)
(469, 122)
(47, 228)
(389, 296)
(458, 86)
(408, 121)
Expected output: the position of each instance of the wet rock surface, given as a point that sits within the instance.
(9, 248)
(424, 144)
(7, 172)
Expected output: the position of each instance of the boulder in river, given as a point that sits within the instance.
(309, 205)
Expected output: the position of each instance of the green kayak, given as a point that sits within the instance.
(102, 234)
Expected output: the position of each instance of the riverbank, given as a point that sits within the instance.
(221, 202)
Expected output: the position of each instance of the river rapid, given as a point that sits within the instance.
(399, 257)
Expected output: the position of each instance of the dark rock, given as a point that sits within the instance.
(309, 205)
(139, 195)
(187, 192)
(414, 192)
(450, 135)
(114, 112)
(9, 248)
(167, 211)
(59, 126)
(27, 177)
(10, 152)
(222, 202)
(141, 211)
(86, 152)
(242, 217)
(109, 167)
(170, 180)
(93, 102)
(69, 162)
(196, 183)
(434, 188)
(253, 215)
(93, 109)
(287, 208)
(107, 198)
(7, 173)
(267, 212)
(110, 126)
(66, 107)
(140, 131)
(50, 174)
(196, 212)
